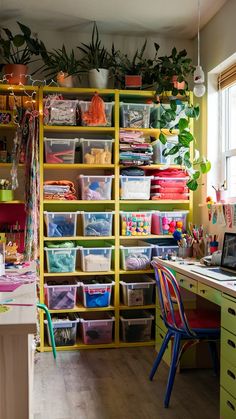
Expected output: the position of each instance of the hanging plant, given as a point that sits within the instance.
(182, 149)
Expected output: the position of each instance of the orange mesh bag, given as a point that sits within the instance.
(96, 112)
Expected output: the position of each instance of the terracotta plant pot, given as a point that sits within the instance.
(132, 82)
(98, 79)
(16, 73)
(178, 85)
(64, 80)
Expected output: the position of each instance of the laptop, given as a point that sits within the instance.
(227, 269)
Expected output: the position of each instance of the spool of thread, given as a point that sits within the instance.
(213, 247)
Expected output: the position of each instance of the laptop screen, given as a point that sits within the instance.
(228, 259)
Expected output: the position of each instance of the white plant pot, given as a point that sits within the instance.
(64, 80)
(98, 79)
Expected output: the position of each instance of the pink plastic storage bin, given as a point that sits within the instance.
(169, 188)
(167, 222)
(96, 328)
(59, 297)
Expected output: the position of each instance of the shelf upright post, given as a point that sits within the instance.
(117, 216)
(41, 219)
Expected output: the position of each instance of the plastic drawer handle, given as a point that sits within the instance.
(203, 291)
(181, 280)
(231, 311)
(161, 336)
(231, 343)
(231, 374)
(190, 285)
(230, 405)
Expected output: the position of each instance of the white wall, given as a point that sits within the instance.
(218, 48)
(127, 44)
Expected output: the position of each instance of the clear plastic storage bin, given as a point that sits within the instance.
(60, 151)
(136, 257)
(61, 259)
(158, 148)
(135, 115)
(135, 187)
(166, 222)
(96, 188)
(96, 328)
(136, 326)
(84, 108)
(60, 112)
(60, 224)
(136, 223)
(97, 223)
(96, 259)
(96, 151)
(137, 291)
(60, 297)
(165, 251)
(96, 295)
(64, 329)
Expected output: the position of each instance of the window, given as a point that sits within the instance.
(228, 138)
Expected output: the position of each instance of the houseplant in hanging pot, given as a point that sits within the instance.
(17, 52)
(61, 65)
(171, 72)
(95, 60)
(179, 119)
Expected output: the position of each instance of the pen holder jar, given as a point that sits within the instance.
(213, 247)
(199, 250)
(185, 252)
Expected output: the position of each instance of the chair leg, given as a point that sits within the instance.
(214, 356)
(173, 368)
(160, 355)
(50, 327)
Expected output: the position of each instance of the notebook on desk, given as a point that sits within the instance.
(227, 269)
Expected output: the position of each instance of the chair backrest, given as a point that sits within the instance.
(171, 304)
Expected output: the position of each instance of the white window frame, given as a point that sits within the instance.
(224, 139)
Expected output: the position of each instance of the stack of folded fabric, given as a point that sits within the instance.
(134, 149)
(59, 189)
(169, 184)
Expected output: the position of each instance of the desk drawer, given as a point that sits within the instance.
(228, 314)
(227, 405)
(209, 293)
(160, 334)
(228, 376)
(187, 282)
(228, 346)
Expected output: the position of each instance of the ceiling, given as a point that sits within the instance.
(172, 18)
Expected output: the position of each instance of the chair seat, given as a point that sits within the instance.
(198, 319)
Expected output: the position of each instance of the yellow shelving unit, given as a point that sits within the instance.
(116, 204)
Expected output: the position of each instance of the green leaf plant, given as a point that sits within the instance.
(19, 48)
(95, 55)
(181, 150)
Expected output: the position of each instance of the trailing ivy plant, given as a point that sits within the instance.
(181, 150)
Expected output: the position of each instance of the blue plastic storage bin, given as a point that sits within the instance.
(95, 295)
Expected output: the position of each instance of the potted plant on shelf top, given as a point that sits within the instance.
(61, 65)
(17, 52)
(171, 72)
(96, 60)
(131, 72)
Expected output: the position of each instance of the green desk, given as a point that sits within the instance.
(224, 295)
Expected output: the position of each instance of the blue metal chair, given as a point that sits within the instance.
(50, 327)
(192, 326)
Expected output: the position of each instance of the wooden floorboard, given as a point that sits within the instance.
(113, 384)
